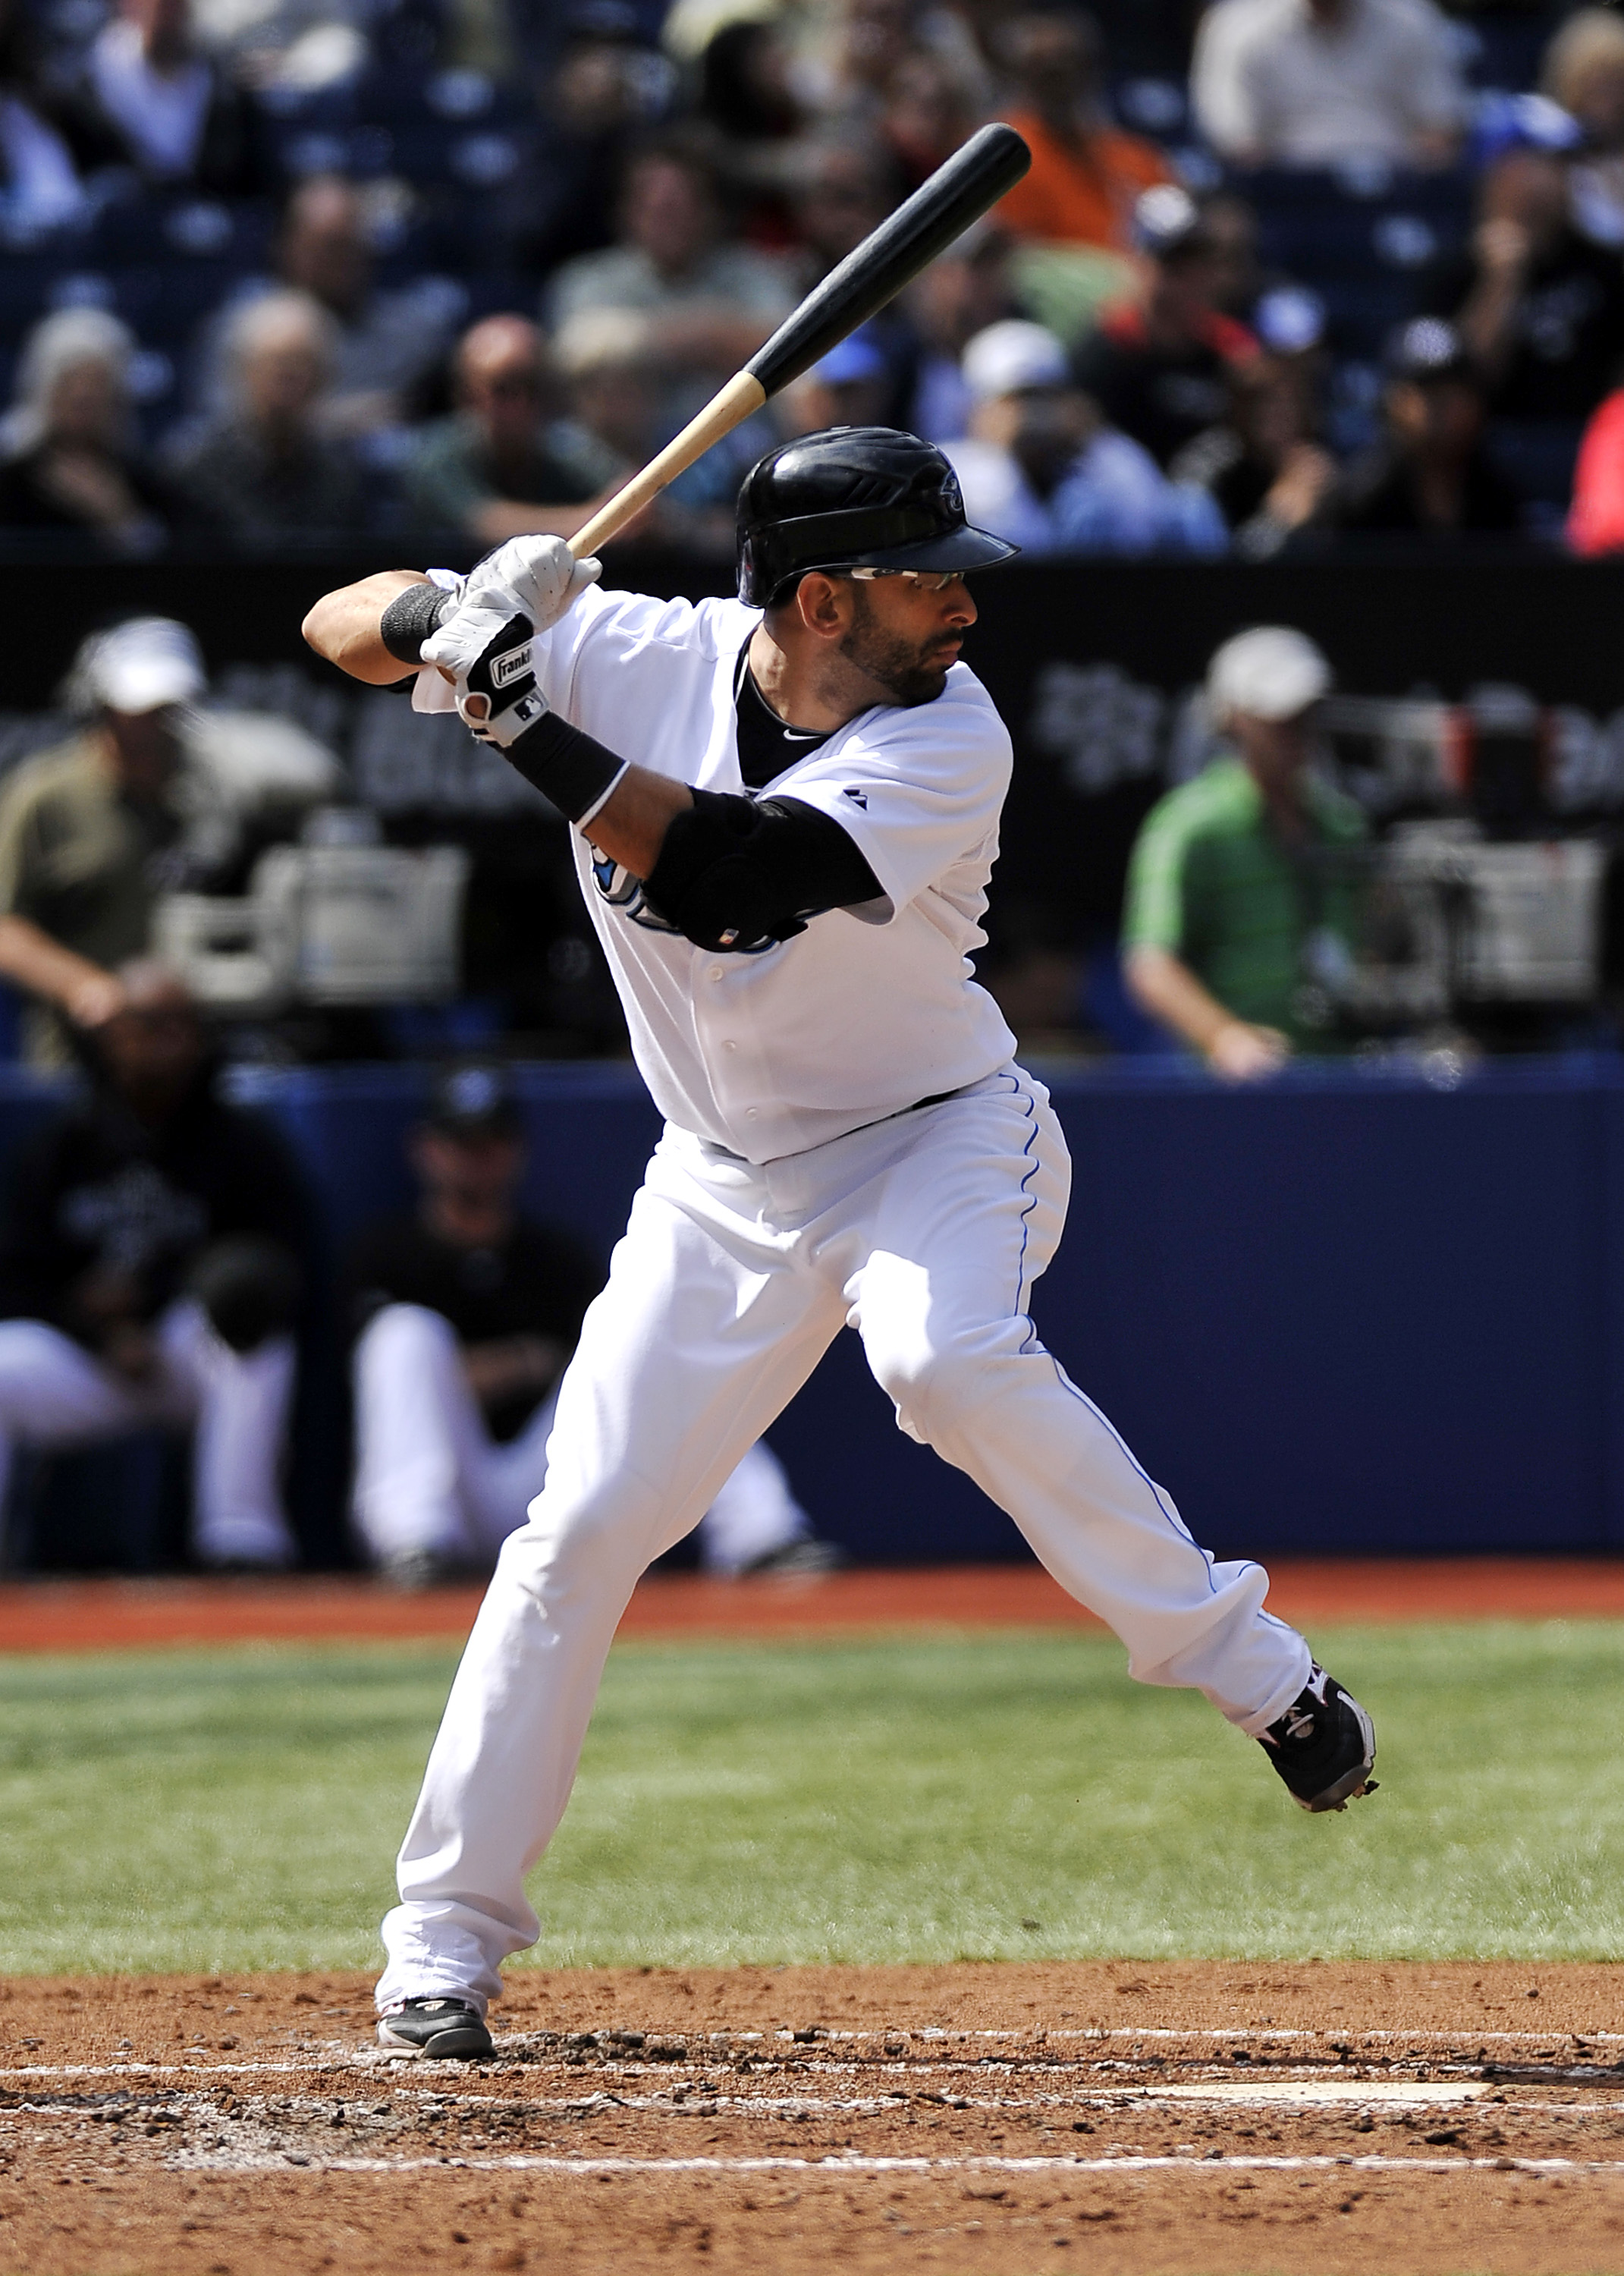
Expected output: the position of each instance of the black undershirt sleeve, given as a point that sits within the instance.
(739, 873)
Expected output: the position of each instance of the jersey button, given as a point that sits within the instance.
(729, 1047)
(716, 971)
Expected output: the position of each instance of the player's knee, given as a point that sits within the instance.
(571, 1530)
(933, 1384)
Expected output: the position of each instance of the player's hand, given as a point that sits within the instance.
(487, 651)
(1240, 1052)
(535, 577)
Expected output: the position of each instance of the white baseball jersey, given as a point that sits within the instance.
(868, 1010)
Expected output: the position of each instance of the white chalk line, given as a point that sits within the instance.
(518, 2162)
(1221, 2093)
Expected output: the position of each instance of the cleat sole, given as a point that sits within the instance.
(464, 2043)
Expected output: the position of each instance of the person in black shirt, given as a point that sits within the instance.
(1432, 477)
(1539, 309)
(1160, 368)
(150, 1266)
(466, 1313)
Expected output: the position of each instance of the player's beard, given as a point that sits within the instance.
(910, 672)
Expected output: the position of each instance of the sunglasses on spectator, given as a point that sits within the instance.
(922, 581)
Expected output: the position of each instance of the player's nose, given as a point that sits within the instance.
(961, 610)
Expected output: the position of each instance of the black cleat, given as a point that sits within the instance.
(1324, 1746)
(437, 2027)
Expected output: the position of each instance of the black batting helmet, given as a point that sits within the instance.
(854, 497)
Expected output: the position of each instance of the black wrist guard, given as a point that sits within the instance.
(410, 618)
(566, 765)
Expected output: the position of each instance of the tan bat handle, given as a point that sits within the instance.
(727, 410)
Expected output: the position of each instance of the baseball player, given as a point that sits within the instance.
(786, 810)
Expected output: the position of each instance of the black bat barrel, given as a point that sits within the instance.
(941, 209)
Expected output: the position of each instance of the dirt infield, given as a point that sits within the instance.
(979, 2120)
(107, 1615)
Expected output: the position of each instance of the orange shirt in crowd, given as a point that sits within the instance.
(1596, 518)
(1081, 194)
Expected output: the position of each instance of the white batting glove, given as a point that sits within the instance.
(469, 630)
(487, 648)
(541, 573)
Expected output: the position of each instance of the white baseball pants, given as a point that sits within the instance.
(924, 1233)
(54, 1394)
(428, 1474)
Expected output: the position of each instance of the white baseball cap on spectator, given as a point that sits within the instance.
(140, 666)
(1012, 355)
(1271, 673)
(1165, 218)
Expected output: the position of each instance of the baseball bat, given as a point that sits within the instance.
(941, 209)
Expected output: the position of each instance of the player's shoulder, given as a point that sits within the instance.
(963, 718)
(706, 628)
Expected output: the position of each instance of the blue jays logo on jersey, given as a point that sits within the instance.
(624, 891)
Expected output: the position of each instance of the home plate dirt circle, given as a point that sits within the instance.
(1154, 2117)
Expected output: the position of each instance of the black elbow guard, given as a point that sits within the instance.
(711, 882)
(737, 874)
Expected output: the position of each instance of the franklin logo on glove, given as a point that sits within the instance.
(513, 666)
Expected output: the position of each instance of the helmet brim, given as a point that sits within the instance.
(963, 548)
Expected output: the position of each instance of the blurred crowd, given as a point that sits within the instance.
(291, 272)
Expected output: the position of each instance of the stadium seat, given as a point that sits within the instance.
(164, 306)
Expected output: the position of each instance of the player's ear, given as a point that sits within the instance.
(824, 604)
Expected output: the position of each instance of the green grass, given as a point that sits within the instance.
(916, 1799)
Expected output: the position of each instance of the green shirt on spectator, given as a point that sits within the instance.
(1210, 882)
